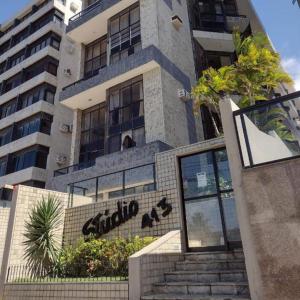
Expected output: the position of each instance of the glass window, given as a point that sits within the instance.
(114, 143)
(124, 34)
(95, 57)
(198, 175)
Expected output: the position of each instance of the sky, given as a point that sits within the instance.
(280, 18)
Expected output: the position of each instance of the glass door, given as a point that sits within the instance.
(209, 206)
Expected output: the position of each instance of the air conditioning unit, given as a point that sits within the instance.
(184, 95)
(67, 72)
(65, 128)
(74, 7)
(177, 22)
(61, 159)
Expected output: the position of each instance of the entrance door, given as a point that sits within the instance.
(208, 200)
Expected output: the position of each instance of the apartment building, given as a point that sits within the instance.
(34, 127)
(138, 62)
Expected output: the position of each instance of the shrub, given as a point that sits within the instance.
(99, 257)
(41, 243)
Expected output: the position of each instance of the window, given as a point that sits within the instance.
(2, 67)
(126, 113)
(95, 57)
(92, 133)
(31, 157)
(125, 33)
(39, 123)
(47, 64)
(16, 59)
(3, 163)
(34, 183)
(5, 136)
(8, 108)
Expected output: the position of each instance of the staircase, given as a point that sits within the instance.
(205, 276)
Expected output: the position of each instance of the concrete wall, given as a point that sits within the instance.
(167, 186)
(267, 200)
(80, 291)
(149, 265)
(4, 216)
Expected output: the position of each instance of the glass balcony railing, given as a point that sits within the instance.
(127, 182)
(270, 131)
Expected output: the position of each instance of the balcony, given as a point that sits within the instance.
(91, 23)
(214, 31)
(91, 91)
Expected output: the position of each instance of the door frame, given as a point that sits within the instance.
(227, 244)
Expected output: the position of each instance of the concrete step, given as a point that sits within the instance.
(210, 265)
(202, 288)
(207, 276)
(236, 254)
(192, 297)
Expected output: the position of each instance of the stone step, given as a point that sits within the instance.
(207, 276)
(192, 297)
(202, 288)
(236, 254)
(210, 265)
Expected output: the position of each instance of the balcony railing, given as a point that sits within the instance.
(269, 132)
(215, 22)
(84, 12)
(73, 168)
(127, 182)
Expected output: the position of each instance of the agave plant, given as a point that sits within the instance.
(41, 235)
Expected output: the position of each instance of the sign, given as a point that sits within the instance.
(103, 223)
(202, 179)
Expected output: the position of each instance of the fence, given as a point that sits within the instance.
(74, 168)
(84, 11)
(24, 274)
(270, 131)
(127, 182)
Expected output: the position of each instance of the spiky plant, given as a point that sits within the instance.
(41, 235)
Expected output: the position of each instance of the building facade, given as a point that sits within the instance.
(34, 127)
(115, 138)
(135, 72)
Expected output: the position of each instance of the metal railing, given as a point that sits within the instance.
(127, 182)
(269, 132)
(74, 273)
(85, 11)
(214, 22)
(74, 168)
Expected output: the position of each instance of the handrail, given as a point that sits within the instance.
(268, 132)
(277, 100)
(84, 11)
(75, 167)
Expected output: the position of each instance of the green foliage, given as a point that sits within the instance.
(41, 235)
(255, 74)
(99, 257)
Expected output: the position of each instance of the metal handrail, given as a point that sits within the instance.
(84, 11)
(75, 167)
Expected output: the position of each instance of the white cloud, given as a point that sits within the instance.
(292, 66)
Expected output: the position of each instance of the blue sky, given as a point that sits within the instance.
(280, 18)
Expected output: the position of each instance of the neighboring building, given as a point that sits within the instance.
(34, 137)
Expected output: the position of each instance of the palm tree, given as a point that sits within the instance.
(41, 235)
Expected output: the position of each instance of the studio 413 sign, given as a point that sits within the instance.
(104, 222)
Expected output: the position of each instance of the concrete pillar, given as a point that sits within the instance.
(76, 134)
(253, 270)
